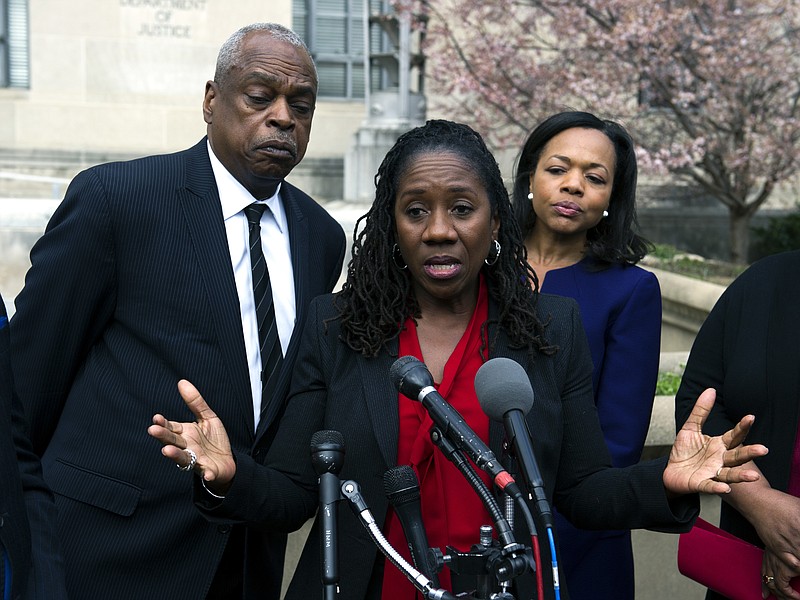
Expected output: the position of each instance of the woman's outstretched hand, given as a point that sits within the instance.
(206, 437)
(701, 463)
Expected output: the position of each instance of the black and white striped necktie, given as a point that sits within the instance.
(268, 341)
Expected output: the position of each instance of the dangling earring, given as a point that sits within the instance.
(530, 195)
(605, 214)
(397, 258)
(494, 254)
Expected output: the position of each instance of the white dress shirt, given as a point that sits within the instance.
(275, 244)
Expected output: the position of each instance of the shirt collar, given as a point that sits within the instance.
(234, 197)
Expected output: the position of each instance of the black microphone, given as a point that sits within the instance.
(505, 395)
(327, 456)
(402, 489)
(414, 381)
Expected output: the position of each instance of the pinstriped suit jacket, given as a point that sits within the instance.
(32, 548)
(131, 289)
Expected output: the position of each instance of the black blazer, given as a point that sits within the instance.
(335, 388)
(131, 289)
(32, 547)
(748, 350)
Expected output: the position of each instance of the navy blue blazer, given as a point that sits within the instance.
(27, 510)
(336, 388)
(621, 312)
(131, 289)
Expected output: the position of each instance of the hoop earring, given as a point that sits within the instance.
(494, 255)
(397, 258)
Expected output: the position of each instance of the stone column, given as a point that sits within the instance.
(397, 106)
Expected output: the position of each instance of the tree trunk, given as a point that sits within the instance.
(739, 230)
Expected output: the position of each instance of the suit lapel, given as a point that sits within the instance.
(497, 432)
(201, 207)
(381, 399)
(298, 245)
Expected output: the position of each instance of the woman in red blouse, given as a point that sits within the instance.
(439, 272)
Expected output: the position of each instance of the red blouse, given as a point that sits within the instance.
(451, 510)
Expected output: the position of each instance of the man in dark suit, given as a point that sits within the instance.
(143, 277)
(30, 560)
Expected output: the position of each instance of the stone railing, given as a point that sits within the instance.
(662, 419)
(686, 303)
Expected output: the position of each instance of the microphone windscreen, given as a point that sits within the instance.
(502, 384)
(398, 369)
(327, 439)
(410, 375)
(400, 484)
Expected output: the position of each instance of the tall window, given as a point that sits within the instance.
(334, 32)
(14, 52)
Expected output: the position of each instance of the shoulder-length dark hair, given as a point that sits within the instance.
(377, 296)
(615, 238)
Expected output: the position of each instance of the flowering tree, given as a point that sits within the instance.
(710, 89)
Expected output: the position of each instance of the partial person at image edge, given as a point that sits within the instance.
(31, 565)
(748, 349)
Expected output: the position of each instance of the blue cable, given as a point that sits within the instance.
(8, 576)
(554, 563)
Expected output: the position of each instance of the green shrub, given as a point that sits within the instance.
(667, 383)
(779, 235)
(663, 251)
(670, 258)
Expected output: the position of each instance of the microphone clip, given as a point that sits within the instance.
(489, 567)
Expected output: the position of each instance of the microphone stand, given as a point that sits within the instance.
(528, 505)
(330, 545)
(483, 560)
(327, 458)
(351, 491)
(513, 560)
(455, 456)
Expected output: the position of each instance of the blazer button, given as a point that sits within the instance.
(224, 528)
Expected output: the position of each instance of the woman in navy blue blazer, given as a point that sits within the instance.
(574, 196)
